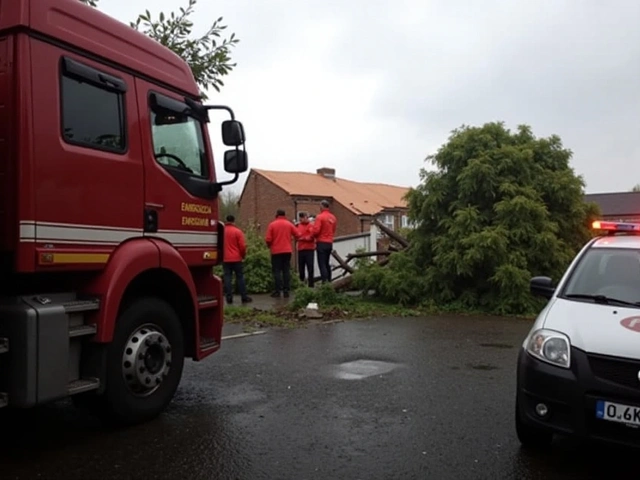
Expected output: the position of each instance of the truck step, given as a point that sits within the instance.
(207, 343)
(207, 301)
(83, 385)
(4, 345)
(82, 330)
(4, 399)
(81, 305)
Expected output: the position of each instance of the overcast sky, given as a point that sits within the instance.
(373, 87)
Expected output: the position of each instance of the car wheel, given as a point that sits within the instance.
(530, 436)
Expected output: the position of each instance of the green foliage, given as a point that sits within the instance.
(400, 281)
(257, 265)
(325, 295)
(252, 319)
(208, 55)
(500, 207)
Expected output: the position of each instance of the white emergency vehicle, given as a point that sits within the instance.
(579, 367)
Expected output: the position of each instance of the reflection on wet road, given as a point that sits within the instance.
(379, 399)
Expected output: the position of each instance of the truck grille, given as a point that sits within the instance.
(617, 370)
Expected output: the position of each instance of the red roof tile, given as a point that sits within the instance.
(359, 197)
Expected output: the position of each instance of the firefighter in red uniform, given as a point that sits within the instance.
(324, 230)
(280, 233)
(235, 251)
(306, 248)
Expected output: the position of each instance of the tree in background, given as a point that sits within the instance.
(229, 203)
(636, 188)
(500, 207)
(208, 55)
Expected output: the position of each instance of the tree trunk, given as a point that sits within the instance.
(391, 234)
(342, 263)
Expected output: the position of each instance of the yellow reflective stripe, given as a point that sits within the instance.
(57, 258)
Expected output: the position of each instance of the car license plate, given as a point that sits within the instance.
(615, 412)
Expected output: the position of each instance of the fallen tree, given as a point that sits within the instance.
(343, 282)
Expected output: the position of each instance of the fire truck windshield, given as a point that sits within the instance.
(178, 142)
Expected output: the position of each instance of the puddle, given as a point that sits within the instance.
(483, 366)
(360, 369)
(496, 345)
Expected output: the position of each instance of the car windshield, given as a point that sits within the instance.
(605, 274)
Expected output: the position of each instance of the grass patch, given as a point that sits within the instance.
(253, 319)
(337, 306)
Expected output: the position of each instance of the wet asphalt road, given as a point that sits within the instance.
(290, 405)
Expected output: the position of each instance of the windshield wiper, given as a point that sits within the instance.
(602, 299)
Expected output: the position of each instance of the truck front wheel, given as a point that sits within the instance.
(144, 361)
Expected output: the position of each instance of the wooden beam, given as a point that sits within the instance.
(342, 263)
(367, 254)
(390, 233)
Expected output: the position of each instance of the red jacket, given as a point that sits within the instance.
(235, 246)
(325, 225)
(306, 240)
(279, 233)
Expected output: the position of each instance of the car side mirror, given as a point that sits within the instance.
(542, 286)
(232, 133)
(235, 161)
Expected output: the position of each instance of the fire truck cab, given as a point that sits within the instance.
(109, 223)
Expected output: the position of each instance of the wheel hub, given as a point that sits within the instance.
(146, 360)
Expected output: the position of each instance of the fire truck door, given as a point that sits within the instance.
(179, 204)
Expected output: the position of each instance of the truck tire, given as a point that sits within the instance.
(144, 362)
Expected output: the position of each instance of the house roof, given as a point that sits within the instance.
(359, 197)
(617, 203)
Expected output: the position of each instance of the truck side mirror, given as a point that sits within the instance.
(232, 133)
(235, 161)
(542, 286)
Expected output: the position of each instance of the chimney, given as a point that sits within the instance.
(329, 173)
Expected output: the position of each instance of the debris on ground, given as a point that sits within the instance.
(311, 311)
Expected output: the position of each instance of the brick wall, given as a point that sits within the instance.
(259, 202)
(261, 198)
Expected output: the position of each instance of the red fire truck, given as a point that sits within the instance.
(108, 213)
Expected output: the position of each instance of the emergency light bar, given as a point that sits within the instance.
(615, 227)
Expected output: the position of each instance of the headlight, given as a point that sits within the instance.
(551, 347)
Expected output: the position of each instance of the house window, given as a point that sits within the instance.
(92, 104)
(405, 221)
(388, 220)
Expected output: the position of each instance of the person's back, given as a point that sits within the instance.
(324, 231)
(235, 251)
(325, 226)
(235, 247)
(280, 233)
